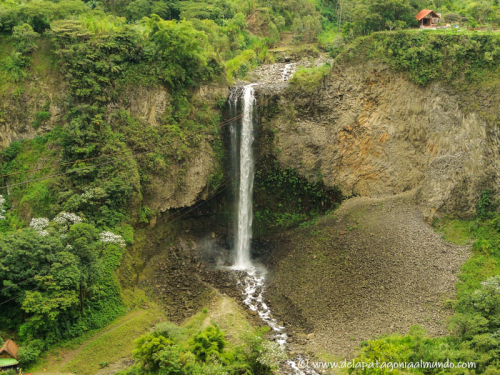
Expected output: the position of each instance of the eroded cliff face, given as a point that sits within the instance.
(186, 181)
(181, 185)
(371, 132)
(21, 105)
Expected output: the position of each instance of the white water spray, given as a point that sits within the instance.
(245, 214)
(287, 72)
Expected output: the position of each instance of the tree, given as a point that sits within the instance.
(83, 240)
(400, 25)
(312, 27)
(53, 276)
(25, 38)
(138, 9)
(365, 17)
(40, 277)
(166, 10)
(178, 47)
(208, 342)
(479, 11)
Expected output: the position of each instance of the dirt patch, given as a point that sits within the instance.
(372, 268)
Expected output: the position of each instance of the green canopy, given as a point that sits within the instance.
(6, 362)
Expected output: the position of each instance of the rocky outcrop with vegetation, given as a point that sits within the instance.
(372, 131)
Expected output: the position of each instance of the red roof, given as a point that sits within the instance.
(424, 13)
(10, 347)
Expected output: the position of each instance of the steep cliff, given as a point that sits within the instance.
(35, 107)
(371, 131)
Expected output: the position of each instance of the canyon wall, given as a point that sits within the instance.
(34, 107)
(372, 132)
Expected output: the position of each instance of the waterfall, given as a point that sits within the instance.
(252, 277)
(287, 72)
(245, 195)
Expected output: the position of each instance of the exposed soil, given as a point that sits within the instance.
(372, 268)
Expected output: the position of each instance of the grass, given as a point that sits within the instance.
(6, 47)
(85, 354)
(484, 262)
(44, 60)
(227, 314)
(37, 198)
(476, 270)
(455, 231)
(110, 344)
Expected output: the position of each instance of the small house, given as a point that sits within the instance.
(8, 355)
(428, 18)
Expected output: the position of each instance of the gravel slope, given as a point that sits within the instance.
(372, 268)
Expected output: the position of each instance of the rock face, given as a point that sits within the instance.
(371, 132)
(186, 180)
(148, 104)
(19, 107)
(185, 183)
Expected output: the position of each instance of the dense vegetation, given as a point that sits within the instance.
(64, 228)
(284, 198)
(58, 280)
(475, 326)
(427, 57)
(170, 349)
(94, 169)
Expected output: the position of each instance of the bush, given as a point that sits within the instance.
(205, 352)
(207, 343)
(11, 152)
(169, 361)
(485, 204)
(25, 38)
(29, 353)
(307, 81)
(147, 348)
(40, 118)
(168, 329)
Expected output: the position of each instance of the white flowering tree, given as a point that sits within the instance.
(40, 224)
(64, 220)
(67, 218)
(111, 238)
(2, 207)
(479, 314)
(271, 354)
(487, 298)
